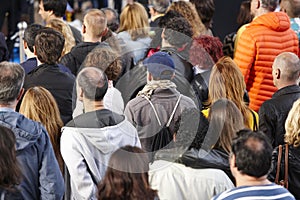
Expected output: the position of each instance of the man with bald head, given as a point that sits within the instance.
(273, 112)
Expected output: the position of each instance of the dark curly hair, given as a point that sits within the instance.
(105, 59)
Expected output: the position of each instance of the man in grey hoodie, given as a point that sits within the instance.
(88, 141)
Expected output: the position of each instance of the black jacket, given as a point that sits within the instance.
(75, 58)
(293, 169)
(273, 113)
(59, 83)
(76, 34)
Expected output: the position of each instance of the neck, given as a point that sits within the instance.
(261, 11)
(165, 43)
(245, 180)
(11, 105)
(90, 105)
(282, 85)
(88, 38)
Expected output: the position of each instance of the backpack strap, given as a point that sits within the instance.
(156, 115)
(173, 112)
(286, 166)
(278, 164)
(255, 127)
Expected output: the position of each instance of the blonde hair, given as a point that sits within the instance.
(62, 27)
(134, 20)
(39, 105)
(189, 12)
(292, 125)
(227, 81)
(95, 21)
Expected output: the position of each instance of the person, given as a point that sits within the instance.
(10, 168)
(188, 11)
(255, 53)
(107, 60)
(48, 47)
(113, 21)
(225, 119)
(93, 28)
(250, 162)
(273, 112)
(134, 30)
(41, 177)
(62, 27)
(39, 105)
(88, 140)
(161, 92)
(157, 9)
(31, 62)
(4, 53)
(129, 164)
(291, 138)
(49, 9)
(227, 81)
(174, 180)
(205, 10)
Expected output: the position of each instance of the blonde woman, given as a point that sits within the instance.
(39, 105)
(134, 30)
(226, 81)
(292, 138)
(62, 27)
(189, 12)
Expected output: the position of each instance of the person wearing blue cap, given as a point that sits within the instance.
(153, 107)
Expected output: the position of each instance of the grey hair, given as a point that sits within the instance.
(160, 6)
(12, 77)
(289, 65)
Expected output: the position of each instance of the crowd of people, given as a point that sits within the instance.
(151, 105)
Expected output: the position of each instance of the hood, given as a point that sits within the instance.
(105, 139)
(26, 131)
(277, 21)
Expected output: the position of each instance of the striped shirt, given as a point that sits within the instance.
(270, 191)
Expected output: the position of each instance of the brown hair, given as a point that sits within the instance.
(134, 20)
(188, 11)
(127, 176)
(105, 59)
(226, 81)
(39, 105)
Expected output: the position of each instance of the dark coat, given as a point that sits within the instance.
(293, 169)
(76, 34)
(59, 83)
(273, 113)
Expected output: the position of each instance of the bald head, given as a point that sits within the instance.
(286, 69)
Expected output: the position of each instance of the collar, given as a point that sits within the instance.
(287, 90)
(6, 109)
(156, 16)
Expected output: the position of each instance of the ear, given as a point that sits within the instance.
(80, 94)
(232, 161)
(34, 51)
(25, 44)
(149, 76)
(83, 29)
(20, 94)
(174, 137)
(163, 34)
(258, 4)
(277, 73)
(104, 32)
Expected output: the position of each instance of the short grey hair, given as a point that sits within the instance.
(289, 65)
(160, 6)
(12, 77)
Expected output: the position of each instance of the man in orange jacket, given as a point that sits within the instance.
(268, 35)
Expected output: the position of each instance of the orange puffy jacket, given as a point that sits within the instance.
(262, 40)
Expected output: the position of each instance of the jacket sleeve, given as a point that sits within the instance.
(128, 113)
(267, 122)
(50, 177)
(82, 185)
(273, 170)
(245, 54)
(70, 62)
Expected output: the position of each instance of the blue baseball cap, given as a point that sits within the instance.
(159, 64)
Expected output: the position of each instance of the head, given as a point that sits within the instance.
(225, 119)
(244, 16)
(10, 172)
(134, 20)
(49, 9)
(290, 7)
(227, 81)
(188, 11)
(286, 70)
(92, 84)
(49, 44)
(292, 125)
(259, 7)
(177, 32)
(205, 10)
(94, 24)
(29, 36)
(126, 176)
(112, 16)
(105, 59)
(11, 83)
(158, 6)
(212, 47)
(160, 66)
(251, 154)
(60, 26)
